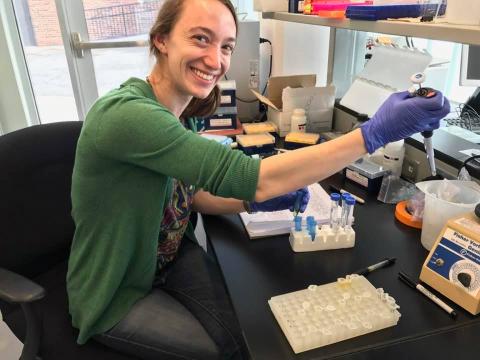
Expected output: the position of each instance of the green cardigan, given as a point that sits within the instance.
(129, 149)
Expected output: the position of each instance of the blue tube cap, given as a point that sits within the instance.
(335, 196)
(350, 200)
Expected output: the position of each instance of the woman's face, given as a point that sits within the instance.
(199, 47)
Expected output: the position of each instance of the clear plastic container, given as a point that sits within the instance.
(393, 155)
(431, 9)
(438, 211)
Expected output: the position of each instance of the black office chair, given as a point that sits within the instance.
(36, 231)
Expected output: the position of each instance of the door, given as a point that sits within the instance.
(77, 50)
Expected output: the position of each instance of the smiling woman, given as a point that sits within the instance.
(193, 52)
(137, 280)
(133, 283)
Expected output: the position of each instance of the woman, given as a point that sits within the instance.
(139, 172)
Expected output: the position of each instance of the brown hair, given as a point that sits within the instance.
(167, 18)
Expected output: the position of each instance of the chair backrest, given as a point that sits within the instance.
(36, 164)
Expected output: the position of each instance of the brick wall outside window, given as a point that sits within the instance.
(106, 19)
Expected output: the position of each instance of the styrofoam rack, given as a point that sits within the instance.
(325, 239)
(325, 314)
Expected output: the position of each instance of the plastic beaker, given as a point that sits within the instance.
(438, 211)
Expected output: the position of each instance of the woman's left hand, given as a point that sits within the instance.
(287, 201)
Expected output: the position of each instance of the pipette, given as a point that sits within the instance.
(418, 79)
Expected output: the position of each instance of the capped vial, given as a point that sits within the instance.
(345, 209)
(334, 205)
(298, 223)
(351, 205)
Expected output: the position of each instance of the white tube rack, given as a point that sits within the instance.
(325, 239)
(326, 314)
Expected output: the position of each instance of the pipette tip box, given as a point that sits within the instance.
(326, 314)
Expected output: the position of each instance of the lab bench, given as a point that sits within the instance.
(256, 270)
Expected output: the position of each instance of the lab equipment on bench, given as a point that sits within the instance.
(338, 234)
(298, 121)
(445, 199)
(260, 128)
(410, 282)
(325, 314)
(297, 140)
(286, 93)
(376, 82)
(343, 191)
(453, 265)
(367, 174)
(418, 79)
(393, 155)
(263, 224)
(428, 10)
(261, 144)
(382, 264)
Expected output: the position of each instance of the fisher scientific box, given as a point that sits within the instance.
(453, 265)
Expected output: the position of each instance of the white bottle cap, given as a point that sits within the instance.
(299, 112)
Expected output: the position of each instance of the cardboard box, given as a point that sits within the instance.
(286, 93)
(217, 122)
(270, 5)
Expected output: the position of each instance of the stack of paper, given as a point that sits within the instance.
(263, 224)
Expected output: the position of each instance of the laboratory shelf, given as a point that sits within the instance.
(465, 34)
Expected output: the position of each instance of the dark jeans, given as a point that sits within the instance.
(187, 315)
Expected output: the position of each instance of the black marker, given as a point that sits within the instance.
(373, 267)
(407, 280)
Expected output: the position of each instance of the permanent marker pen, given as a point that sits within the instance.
(407, 280)
(376, 266)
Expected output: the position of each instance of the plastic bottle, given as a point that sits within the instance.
(393, 157)
(298, 121)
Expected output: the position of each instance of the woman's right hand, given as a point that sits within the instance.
(401, 116)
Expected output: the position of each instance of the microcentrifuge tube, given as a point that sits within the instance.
(351, 204)
(345, 210)
(298, 223)
(312, 229)
(335, 198)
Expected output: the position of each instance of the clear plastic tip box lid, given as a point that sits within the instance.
(368, 168)
(325, 314)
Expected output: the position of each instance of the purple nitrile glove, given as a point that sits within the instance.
(283, 202)
(401, 116)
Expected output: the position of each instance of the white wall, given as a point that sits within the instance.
(297, 48)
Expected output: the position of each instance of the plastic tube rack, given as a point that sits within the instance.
(325, 314)
(325, 238)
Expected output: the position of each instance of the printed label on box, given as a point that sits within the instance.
(225, 99)
(221, 122)
(469, 224)
(355, 176)
(455, 257)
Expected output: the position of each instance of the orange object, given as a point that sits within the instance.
(307, 7)
(336, 14)
(402, 215)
